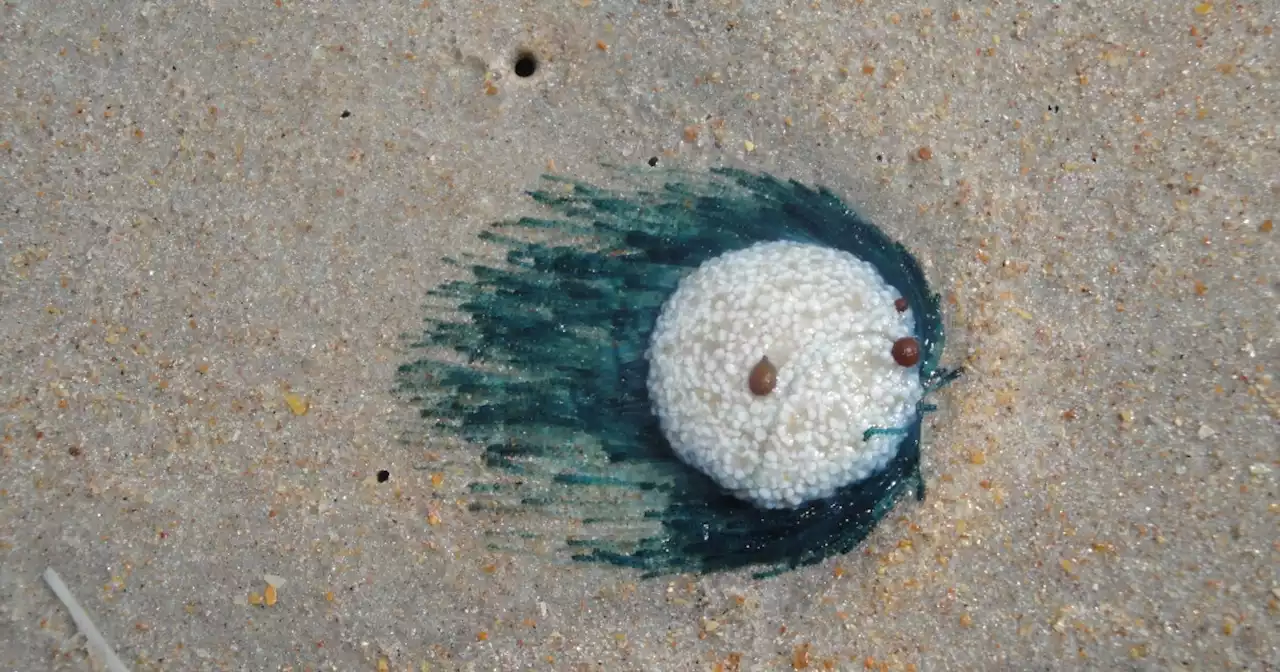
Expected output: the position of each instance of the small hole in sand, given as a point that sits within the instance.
(526, 64)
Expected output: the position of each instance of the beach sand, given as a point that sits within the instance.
(219, 219)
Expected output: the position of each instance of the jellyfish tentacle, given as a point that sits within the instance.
(884, 431)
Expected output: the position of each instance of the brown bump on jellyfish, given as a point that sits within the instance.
(906, 351)
(763, 378)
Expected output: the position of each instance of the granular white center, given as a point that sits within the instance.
(827, 321)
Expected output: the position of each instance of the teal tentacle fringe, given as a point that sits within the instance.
(553, 386)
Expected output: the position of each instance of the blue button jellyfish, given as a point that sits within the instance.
(719, 373)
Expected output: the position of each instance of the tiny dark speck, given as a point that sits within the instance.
(383, 475)
(653, 161)
(346, 113)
